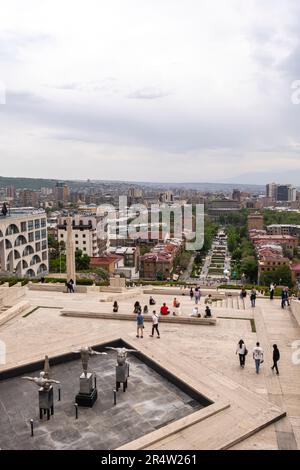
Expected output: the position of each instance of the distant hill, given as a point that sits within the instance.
(28, 183)
(37, 183)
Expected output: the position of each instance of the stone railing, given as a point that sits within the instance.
(55, 287)
(13, 311)
(295, 309)
(10, 295)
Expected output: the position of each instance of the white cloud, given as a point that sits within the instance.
(209, 83)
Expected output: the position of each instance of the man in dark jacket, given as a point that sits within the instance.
(276, 357)
(284, 297)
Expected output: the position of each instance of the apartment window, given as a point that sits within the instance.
(84, 249)
(44, 255)
(62, 235)
(37, 223)
(31, 237)
(30, 225)
(23, 226)
(83, 236)
(76, 235)
(84, 243)
(44, 233)
(38, 235)
(37, 246)
(77, 242)
(43, 222)
(44, 245)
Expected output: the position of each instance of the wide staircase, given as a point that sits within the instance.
(234, 302)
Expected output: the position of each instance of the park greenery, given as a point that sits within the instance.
(275, 217)
(280, 276)
(243, 258)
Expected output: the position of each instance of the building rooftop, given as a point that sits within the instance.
(19, 212)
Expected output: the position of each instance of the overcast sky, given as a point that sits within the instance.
(151, 90)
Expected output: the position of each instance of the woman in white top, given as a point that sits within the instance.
(241, 350)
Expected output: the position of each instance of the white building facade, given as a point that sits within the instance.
(24, 243)
(84, 233)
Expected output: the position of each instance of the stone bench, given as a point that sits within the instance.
(132, 317)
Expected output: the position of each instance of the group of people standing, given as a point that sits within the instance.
(258, 355)
(253, 295)
(140, 325)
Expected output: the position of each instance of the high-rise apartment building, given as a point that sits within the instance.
(281, 192)
(11, 192)
(28, 198)
(167, 197)
(84, 233)
(135, 193)
(62, 192)
(271, 189)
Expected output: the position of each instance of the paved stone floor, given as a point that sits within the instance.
(205, 354)
(149, 403)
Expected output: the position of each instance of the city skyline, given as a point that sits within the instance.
(162, 92)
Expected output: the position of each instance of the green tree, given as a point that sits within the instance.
(249, 267)
(82, 261)
(280, 276)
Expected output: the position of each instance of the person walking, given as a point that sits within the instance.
(276, 358)
(242, 351)
(115, 307)
(191, 293)
(197, 295)
(243, 293)
(287, 296)
(253, 297)
(155, 325)
(140, 325)
(284, 298)
(272, 289)
(258, 356)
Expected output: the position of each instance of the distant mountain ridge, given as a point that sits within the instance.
(37, 183)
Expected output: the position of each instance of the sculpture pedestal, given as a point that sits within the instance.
(122, 373)
(46, 402)
(87, 392)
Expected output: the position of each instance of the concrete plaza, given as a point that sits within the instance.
(202, 355)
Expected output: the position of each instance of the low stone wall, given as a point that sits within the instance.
(59, 287)
(117, 290)
(13, 311)
(10, 295)
(176, 291)
(295, 308)
(132, 317)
